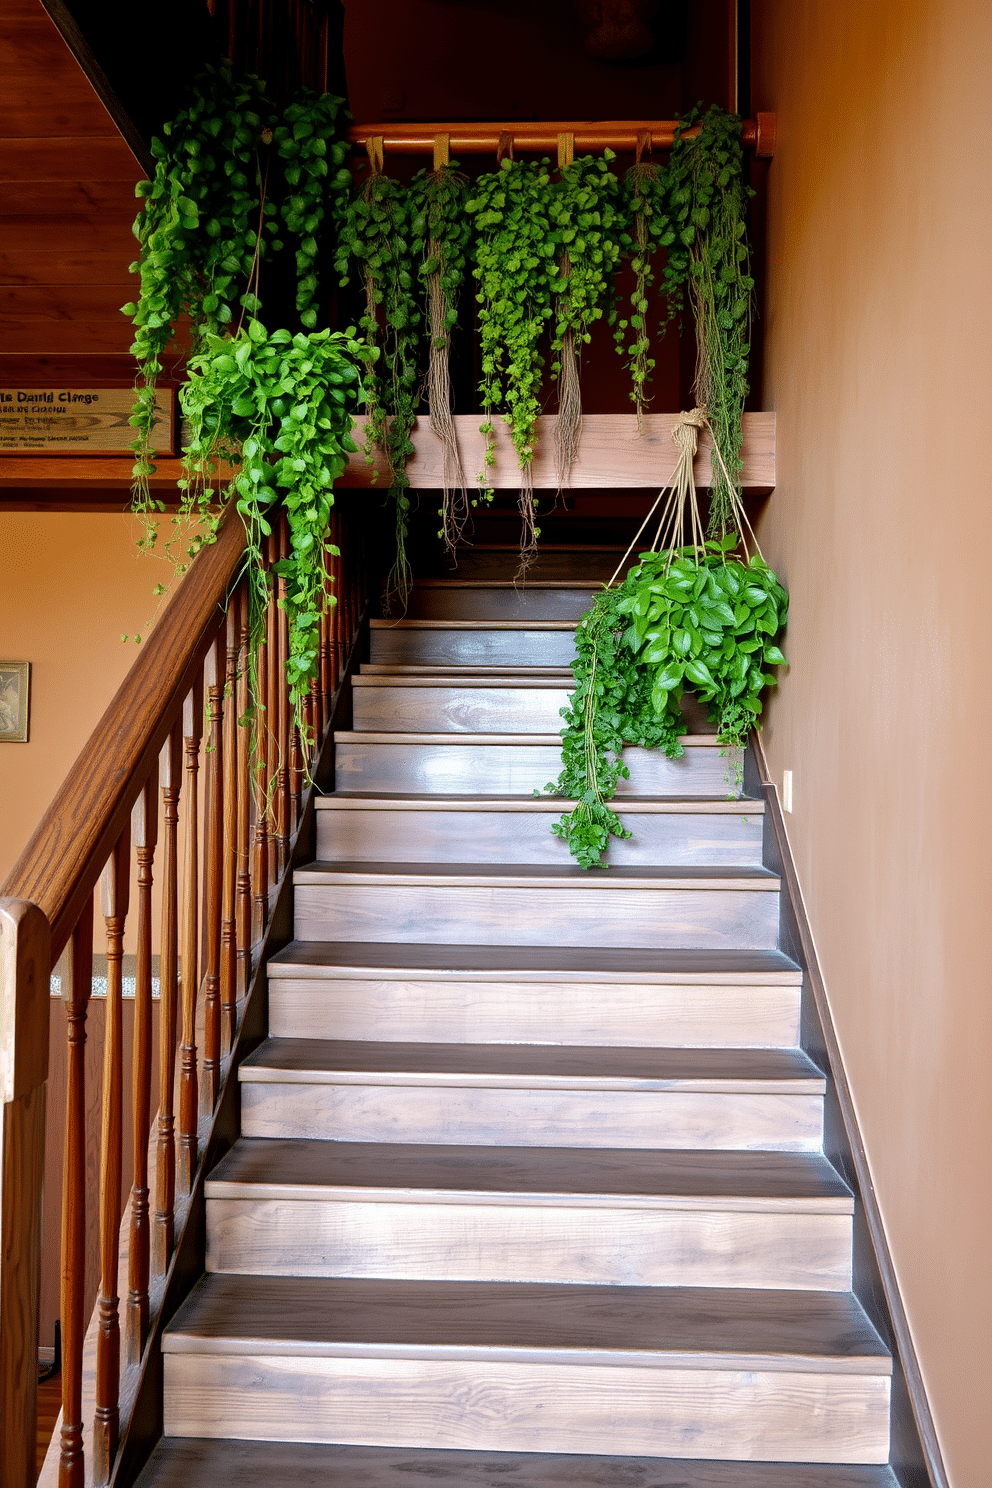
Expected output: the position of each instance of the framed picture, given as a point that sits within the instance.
(15, 682)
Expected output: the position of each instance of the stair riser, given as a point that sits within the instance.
(552, 1243)
(495, 836)
(483, 566)
(725, 1414)
(459, 710)
(588, 1013)
(495, 647)
(490, 1117)
(519, 770)
(499, 604)
(710, 919)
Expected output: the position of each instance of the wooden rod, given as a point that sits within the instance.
(170, 781)
(228, 925)
(213, 869)
(284, 722)
(144, 830)
(243, 888)
(262, 847)
(73, 1299)
(619, 135)
(187, 1154)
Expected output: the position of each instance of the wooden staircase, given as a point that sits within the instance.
(530, 1188)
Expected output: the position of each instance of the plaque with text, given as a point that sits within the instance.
(78, 421)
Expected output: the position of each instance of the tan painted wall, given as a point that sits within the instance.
(878, 333)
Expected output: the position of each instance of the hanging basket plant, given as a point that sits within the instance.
(691, 615)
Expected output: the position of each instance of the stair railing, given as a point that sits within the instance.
(173, 784)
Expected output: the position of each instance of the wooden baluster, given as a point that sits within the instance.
(25, 965)
(243, 890)
(106, 1422)
(263, 847)
(213, 870)
(272, 721)
(187, 1154)
(73, 1300)
(170, 780)
(144, 830)
(284, 794)
(228, 926)
(326, 644)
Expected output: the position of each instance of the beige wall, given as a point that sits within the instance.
(70, 585)
(878, 334)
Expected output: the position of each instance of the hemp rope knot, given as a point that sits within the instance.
(685, 430)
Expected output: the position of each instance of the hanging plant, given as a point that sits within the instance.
(646, 191)
(690, 614)
(278, 407)
(313, 153)
(585, 214)
(708, 200)
(376, 243)
(517, 272)
(441, 231)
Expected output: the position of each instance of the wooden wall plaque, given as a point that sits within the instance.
(78, 421)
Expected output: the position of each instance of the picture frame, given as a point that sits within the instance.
(15, 691)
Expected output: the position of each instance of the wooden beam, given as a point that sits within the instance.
(612, 456)
(620, 135)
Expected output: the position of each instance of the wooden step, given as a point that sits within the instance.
(414, 706)
(543, 994)
(586, 562)
(474, 642)
(298, 1208)
(531, 904)
(366, 828)
(458, 599)
(753, 1375)
(517, 765)
(533, 1095)
(185, 1462)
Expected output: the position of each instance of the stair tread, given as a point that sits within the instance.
(432, 679)
(499, 625)
(295, 1168)
(192, 1462)
(358, 736)
(456, 670)
(540, 875)
(581, 1323)
(637, 805)
(335, 958)
(544, 1066)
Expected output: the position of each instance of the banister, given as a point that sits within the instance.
(61, 863)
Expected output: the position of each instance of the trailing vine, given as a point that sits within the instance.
(314, 155)
(442, 235)
(517, 275)
(376, 243)
(646, 188)
(586, 215)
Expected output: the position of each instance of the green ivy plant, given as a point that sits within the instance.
(646, 189)
(681, 618)
(277, 407)
(376, 244)
(314, 153)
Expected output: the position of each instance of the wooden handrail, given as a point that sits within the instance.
(620, 135)
(62, 862)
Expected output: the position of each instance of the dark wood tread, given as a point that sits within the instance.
(638, 805)
(500, 624)
(191, 1462)
(456, 671)
(539, 876)
(354, 736)
(533, 1066)
(589, 585)
(334, 959)
(481, 680)
(294, 1168)
(565, 1323)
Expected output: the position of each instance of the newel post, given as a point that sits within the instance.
(25, 968)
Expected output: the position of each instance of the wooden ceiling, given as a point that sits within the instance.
(67, 204)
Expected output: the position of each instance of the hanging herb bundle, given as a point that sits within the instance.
(708, 200)
(646, 192)
(689, 615)
(279, 407)
(586, 217)
(314, 153)
(516, 271)
(376, 243)
(441, 236)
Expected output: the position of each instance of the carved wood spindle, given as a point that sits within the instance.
(144, 830)
(283, 791)
(213, 870)
(106, 1421)
(189, 984)
(163, 1227)
(263, 847)
(326, 643)
(229, 841)
(243, 887)
(73, 1299)
(338, 610)
(272, 720)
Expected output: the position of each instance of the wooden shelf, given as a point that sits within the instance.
(612, 456)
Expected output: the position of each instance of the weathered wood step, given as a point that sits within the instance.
(534, 904)
(458, 599)
(534, 994)
(635, 1218)
(753, 1375)
(518, 764)
(185, 1462)
(367, 827)
(533, 1095)
(474, 642)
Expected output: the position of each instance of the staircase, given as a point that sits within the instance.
(530, 1188)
